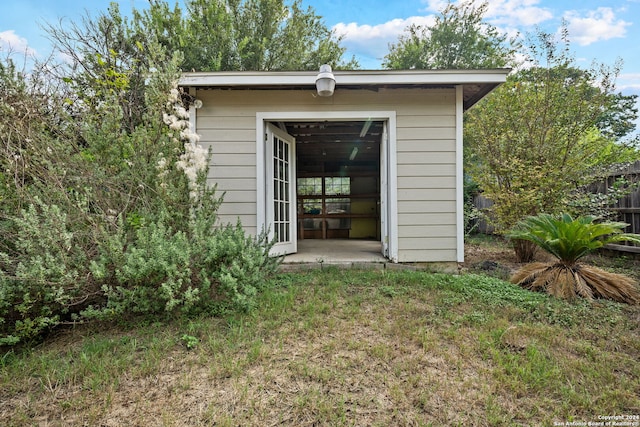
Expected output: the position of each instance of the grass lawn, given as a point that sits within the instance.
(342, 348)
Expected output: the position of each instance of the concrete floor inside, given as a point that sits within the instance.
(336, 251)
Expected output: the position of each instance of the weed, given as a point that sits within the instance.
(389, 291)
(189, 341)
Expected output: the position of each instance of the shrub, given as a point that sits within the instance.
(163, 271)
(569, 240)
(238, 264)
(43, 273)
(58, 270)
(103, 221)
(149, 274)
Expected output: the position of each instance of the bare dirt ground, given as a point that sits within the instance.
(493, 256)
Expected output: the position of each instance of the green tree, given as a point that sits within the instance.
(204, 32)
(618, 119)
(108, 58)
(110, 54)
(535, 139)
(458, 39)
(239, 35)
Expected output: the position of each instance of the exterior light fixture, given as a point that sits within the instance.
(325, 82)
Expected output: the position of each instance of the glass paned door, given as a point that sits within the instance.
(280, 190)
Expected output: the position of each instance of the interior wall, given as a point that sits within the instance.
(365, 228)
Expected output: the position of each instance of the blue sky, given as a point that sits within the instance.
(601, 30)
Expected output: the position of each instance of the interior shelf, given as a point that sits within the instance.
(339, 215)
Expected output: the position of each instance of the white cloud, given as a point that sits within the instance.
(373, 40)
(516, 13)
(599, 24)
(12, 43)
(510, 13)
(436, 5)
(629, 82)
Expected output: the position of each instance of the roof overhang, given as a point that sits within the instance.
(476, 83)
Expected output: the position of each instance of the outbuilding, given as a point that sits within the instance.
(351, 155)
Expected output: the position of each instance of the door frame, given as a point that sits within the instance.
(389, 174)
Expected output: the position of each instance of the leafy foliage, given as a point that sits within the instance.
(108, 59)
(107, 218)
(588, 201)
(225, 35)
(238, 263)
(43, 272)
(618, 119)
(458, 39)
(569, 240)
(198, 268)
(534, 140)
(472, 215)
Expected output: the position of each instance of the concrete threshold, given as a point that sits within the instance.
(336, 251)
(317, 254)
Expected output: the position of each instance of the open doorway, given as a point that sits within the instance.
(338, 178)
(330, 146)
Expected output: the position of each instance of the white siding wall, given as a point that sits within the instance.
(426, 179)
(425, 155)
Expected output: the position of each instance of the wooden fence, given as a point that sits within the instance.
(627, 209)
(482, 225)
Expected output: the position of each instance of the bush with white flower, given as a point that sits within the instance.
(104, 221)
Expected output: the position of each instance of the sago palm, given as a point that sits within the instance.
(570, 239)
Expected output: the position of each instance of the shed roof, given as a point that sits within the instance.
(476, 83)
